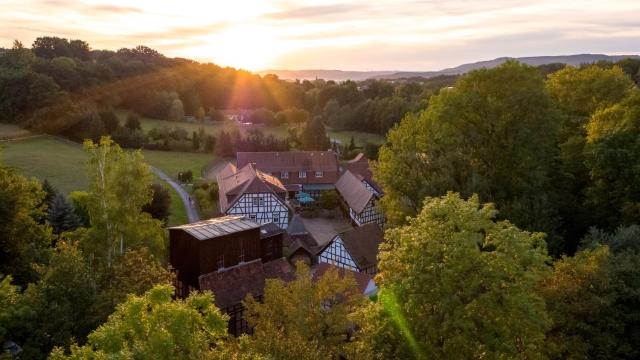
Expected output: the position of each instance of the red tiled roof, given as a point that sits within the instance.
(362, 279)
(290, 160)
(231, 286)
(233, 183)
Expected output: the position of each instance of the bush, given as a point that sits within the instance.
(329, 200)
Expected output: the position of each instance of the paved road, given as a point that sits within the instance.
(192, 213)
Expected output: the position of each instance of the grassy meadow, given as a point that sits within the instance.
(63, 164)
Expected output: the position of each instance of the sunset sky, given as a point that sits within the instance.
(348, 35)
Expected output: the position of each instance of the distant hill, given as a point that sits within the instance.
(337, 75)
(340, 75)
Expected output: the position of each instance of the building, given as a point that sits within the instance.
(360, 198)
(254, 194)
(359, 166)
(355, 249)
(308, 171)
(220, 243)
(231, 256)
(231, 286)
(299, 244)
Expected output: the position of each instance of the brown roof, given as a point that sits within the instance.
(362, 244)
(230, 286)
(353, 191)
(233, 183)
(362, 279)
(359, 166)
(292, 162)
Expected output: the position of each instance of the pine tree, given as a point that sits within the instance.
(61, 215)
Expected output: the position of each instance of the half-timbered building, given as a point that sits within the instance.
(254, 194)
(360, 198)
(355, 249)
(308, 171)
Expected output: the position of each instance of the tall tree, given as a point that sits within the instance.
(154, 326)
(159, 206)
(456, 284)
(304, 319)
(313, 136)
(476, 138)
(61, 215)
(120, 185)
(25, 237)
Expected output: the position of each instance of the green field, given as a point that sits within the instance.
(8, 131)
(63, 164)
(278, 131)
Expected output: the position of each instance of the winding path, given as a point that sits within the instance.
(192, 212)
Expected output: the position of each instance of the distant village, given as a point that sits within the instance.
(267, 227)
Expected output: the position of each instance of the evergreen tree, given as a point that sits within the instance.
(61, 215)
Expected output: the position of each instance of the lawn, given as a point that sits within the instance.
(173, 162)
(63, 164)
(278, 131)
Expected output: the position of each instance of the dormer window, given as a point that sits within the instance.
(302, 174)
(284, 174)
(319, 174)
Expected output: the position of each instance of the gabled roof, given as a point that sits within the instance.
(290, 160)
(353, 191)
(234, 182)
(359, 166)
(296, 226)
(230, 286)
(220, 226)
(362, 244)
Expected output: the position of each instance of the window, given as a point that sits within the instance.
(253, 217)
(254, 201)
(221, 261)
(276, 217)
(284, 174)
(302, 174)
(261, 201)
(319, 174)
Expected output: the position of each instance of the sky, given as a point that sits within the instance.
(347, 35)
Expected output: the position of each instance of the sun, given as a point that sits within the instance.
(248, 47)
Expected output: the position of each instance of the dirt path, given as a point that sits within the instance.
(189, 205)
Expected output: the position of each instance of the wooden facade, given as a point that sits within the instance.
(336, 254)
(355, 249)
(262, 208)
(370, 214)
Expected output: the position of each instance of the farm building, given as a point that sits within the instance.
(360, 198)
(254, 194)
(355, 249)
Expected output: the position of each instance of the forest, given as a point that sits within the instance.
(512, 196)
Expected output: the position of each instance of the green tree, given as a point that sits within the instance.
(154, 326)
(120, 185)
(133, 273)
(25, 238)
(80, 200)
(61, 302)
(304, 319)
(176, 111)
(61, 215)
(200, 113)
(476, 138)
(13, 308)
(195, 140)
(456, 284)
(133, 122)
(111, 122)
(313, 136)
(159, 206)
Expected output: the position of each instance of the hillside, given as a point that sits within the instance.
(339, 75)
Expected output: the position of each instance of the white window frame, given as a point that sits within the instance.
(275, 217)
(253, 217)
(302, 174)
(319, 174)
(284, 175)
